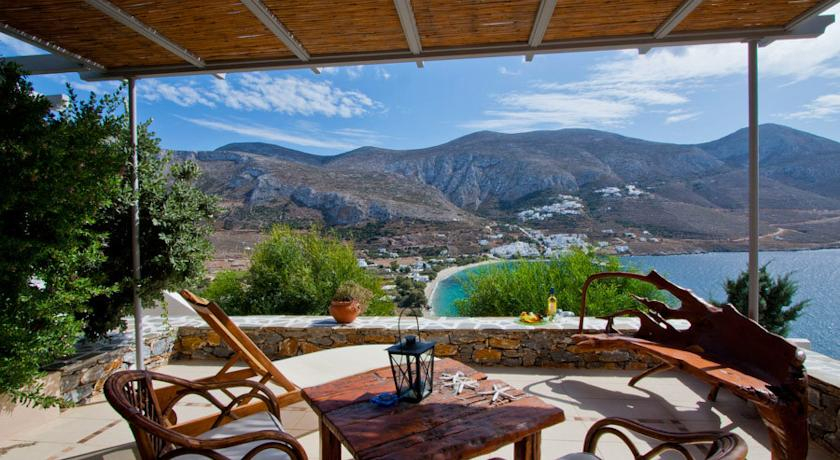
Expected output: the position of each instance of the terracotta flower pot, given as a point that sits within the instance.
(345, 312)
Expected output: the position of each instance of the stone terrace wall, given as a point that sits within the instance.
(824, 399)
(83, 375)
(491, 341)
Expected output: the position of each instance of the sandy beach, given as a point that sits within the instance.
(447, 272)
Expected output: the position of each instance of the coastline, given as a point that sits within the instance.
(430, 288)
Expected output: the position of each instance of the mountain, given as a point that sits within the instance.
(680, 191)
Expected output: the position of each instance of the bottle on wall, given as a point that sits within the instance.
(551, 310)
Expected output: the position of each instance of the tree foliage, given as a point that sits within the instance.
(294, 273)
(175, 224)
(60, 170)
(776, 307)
(508, 288)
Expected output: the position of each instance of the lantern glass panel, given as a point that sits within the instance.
(413, 366)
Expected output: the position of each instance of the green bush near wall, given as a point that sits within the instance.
(294, 273)
(508, 288)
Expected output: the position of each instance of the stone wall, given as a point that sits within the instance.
(515, 348)
(824, 415)
(83, 375)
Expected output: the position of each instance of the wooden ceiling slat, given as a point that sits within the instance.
(215, 30)
(607, 18)
(444, 23)
(730, 14)
(82, 29)
(335, 27)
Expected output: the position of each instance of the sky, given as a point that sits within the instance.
(678, 94)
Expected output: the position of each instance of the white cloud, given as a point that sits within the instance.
(823, 107)
(505, 71)
(525, 111)
(678, 117)
(382, 74)
(355, 71)
(263, 92)
(631, 83)
(17, 47)
(185, 95)
(328, 70)
(268, 133)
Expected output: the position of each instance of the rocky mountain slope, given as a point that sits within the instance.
(680, 191)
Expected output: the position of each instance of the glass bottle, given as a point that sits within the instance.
(551, 310)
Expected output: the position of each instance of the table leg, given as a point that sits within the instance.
(528, 448)
(330, 445)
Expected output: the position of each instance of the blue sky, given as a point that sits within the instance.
(683, 95)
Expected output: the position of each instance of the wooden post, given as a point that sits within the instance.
(752, 58)
(135, 226)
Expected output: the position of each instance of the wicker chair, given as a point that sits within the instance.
(256, 436)
(724, 446)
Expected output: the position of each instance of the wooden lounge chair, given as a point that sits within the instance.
(258, 365)
(721, 347)
(723, 446)
(259, 435)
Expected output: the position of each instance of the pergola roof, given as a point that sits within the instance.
(120, 38)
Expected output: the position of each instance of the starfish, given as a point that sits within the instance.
(458, 381)
(499, 391)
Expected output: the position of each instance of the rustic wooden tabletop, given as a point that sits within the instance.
(444, 425)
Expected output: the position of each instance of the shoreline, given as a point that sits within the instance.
(430, 288)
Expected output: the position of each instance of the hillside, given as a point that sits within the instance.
(571, 180)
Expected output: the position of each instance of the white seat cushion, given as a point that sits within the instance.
(257, 422)
(578, 456)
(325, 366)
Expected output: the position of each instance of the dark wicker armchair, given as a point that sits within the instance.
(724, 446)
(256, 436)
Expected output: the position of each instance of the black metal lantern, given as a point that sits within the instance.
(413, 364)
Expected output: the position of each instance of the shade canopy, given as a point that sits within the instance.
(121, 38)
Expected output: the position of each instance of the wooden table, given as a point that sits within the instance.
(443, 425)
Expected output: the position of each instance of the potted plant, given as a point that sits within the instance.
(350, 300)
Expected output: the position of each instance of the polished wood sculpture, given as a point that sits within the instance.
(721, 347)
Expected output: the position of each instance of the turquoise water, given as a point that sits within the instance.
(817, 272)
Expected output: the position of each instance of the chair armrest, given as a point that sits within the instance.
(671, 440)
(186, 387)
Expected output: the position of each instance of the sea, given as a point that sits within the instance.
(817, 273)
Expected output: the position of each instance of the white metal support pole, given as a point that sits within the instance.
(753, 174)
(135, 225)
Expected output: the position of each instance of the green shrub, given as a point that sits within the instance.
(776, 308)
(296, 273)
(227, 289)
(60, 170)
(508, 288)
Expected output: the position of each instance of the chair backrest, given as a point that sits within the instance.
(236, 339)
(131, 394)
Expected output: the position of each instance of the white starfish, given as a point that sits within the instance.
(499, 391)
(458, 381)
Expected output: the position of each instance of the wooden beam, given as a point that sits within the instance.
(676, 18)
(276, 27)
(49, 46)
(817, 9)
(541, 21)
(409, 25)
(40, 64)
(136, 25)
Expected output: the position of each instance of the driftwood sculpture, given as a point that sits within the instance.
(721, 347)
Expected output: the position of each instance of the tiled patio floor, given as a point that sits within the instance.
(669, 400)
